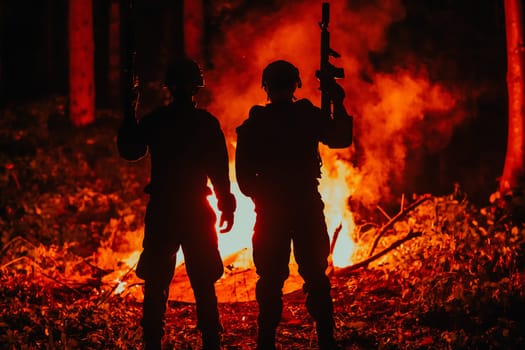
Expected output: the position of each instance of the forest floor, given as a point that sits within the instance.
(71, 215)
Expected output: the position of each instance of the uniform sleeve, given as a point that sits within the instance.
(218, 169)
(131, 141)
(337, 132)
(245, 167)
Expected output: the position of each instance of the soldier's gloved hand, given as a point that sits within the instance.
(336, 93)
(227, 205)
(226, 222)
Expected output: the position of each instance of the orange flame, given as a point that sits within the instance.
(396, 113)
(240, 235)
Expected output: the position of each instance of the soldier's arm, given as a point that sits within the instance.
(245, 169)
(218, 170)
(337, 131)
(131, 142)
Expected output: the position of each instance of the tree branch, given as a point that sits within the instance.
(396, 218)
(393, 246)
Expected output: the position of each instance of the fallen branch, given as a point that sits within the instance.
(360, 234)
(334, 237)
(41, 270)
(396, 218)
(330, 268)
(13, 262)
(231, 271)
(114, 288)
(13, 241)
(383, 211)
(393, 246)
(100, 271)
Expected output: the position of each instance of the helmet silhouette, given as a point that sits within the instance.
(280, 74)
(184, 72)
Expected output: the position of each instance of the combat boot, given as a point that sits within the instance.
(211, 342)
(152, 344)
(266, 340)
(325, 337)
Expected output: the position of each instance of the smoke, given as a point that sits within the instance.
(404, 113)
(290, 32)
(395, 112)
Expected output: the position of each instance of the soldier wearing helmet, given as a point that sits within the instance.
(187, 148)
(278, 167)
(184, 77)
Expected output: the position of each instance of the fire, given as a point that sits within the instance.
(335, 194)
(240, 235)
(121, 286)
(132, 259)
(238, 282)
(396, 113)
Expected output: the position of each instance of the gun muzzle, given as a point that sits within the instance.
(326, 13)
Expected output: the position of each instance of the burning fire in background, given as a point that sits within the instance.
(395, 113)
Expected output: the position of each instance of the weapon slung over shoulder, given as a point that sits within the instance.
(327, 72)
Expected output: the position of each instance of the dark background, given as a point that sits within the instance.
(461, 41)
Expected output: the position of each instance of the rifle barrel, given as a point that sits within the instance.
(326, 13)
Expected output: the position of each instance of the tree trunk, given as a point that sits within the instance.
(514, 168)
(81, 63)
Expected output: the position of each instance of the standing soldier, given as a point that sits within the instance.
(278, 166)
(187, 148)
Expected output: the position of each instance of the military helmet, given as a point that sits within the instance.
(280, 74)
(184, 71)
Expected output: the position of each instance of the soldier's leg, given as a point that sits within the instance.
(311, 248)
(271, 256)
(156, 268)
(204, 268)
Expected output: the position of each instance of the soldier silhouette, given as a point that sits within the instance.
(278, 166)
(187, 147)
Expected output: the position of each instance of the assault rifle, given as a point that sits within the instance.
(130, 81)
(327, 72)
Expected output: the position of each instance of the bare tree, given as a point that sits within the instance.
(514, 168)
(81, 62)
